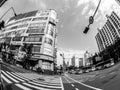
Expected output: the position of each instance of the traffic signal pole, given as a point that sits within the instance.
(91, 19)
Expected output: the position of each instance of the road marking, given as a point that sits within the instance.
(72, 85)
(67, 80)
(15, 76)
(9, 77)
(84, 84)
(4, 78)
(30, 85)
(43, 85)
(61, 83)
(22, 87)
(76, 89)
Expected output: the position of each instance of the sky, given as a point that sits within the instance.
(73, 17)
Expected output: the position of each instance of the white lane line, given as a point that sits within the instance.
(10, 77)
(76, 89)
(84, 84)
(43, 85)
(72, 85)
(67, 80)
(61, 83)
(22, 87)
(4, 78)
(15, 76)
(36, 87)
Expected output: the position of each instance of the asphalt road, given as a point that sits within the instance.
(107, 79)
(16, 78)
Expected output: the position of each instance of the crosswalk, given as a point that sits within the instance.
(31, 81)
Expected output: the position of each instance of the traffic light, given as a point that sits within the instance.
(86, 30)
(2, 24)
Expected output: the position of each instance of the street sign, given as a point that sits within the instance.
(91, 19)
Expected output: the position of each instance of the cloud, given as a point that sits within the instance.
(90, 13)
(85, 9)
(39, 4)
(80, 2)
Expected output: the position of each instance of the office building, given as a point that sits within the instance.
(109, 33)
(37, 28)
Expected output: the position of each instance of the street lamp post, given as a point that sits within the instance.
(91, 19)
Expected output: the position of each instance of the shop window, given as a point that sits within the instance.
(36, 49)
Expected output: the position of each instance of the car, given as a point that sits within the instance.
(1, 61)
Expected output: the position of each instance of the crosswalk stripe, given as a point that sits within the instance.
(10, 77)
(15, 76)
(22, 87)
(4, 78)
(46, 83)
(36, 87)
(20, 76)
(43, 85)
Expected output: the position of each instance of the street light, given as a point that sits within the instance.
(2, 22)
(91, 19)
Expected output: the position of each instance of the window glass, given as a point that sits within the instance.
(36, 49)
(48, 41)
(36, 30)
(22, 25)
(16, 38)
(33, 39)
(40, 18)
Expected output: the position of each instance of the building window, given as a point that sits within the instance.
(50, 32)
(33, 39)
(36, 49)
(17, 39)
(14, 27)
(48, 41)
(40, 18)
(36, 30)
(22, 25)
(37, 24)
